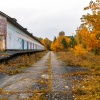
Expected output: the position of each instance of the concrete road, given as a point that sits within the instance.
(45, 74)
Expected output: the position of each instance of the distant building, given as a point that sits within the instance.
(14, 37)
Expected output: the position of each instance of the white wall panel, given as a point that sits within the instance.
(15, 36)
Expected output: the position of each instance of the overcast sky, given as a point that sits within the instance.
(46, 18)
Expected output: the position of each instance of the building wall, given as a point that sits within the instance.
(17, 39)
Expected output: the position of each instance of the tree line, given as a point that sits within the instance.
(87, 38)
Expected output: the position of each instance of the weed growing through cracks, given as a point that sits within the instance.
(40, 94)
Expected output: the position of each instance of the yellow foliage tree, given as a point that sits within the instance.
(79, 50)
(47, 43)
(57, 45)
(88, 35)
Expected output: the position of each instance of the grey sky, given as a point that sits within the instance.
(46, 18)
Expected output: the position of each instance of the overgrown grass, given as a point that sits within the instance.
(1, 90)
(39, 95)
(90, 86)
(90, 60)
(90, 89)
(17, 65)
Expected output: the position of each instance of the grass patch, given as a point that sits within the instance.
(90, 89)
(76, 73)
(90, 86)
(89, 61)
(1, 90)
(42, 81)
(20, 63)
(39, 95)
(3, 99)
(13, 72)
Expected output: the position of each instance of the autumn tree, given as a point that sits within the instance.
(89, 32)
(79, 50)
(61, 43)
(62, 33)
(73, 41)
(54, 39)
(47, 43)
(65, 44)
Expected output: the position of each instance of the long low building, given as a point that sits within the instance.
(14, 37)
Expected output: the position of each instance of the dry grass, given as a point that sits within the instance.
(89, 61)
(17, 65)
(38, 95)
(76, 74)
(90, 86)
(1, 90)
(90, 89)
(42, 81)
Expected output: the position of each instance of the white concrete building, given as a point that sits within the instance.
(14, 37)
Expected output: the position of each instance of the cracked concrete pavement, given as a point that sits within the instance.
(22, 85)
